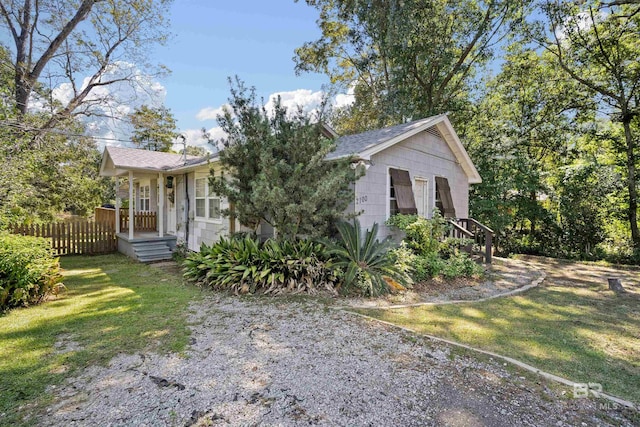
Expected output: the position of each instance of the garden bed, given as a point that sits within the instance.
(503, 276)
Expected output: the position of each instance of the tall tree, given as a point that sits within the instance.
(598, 46)
(274, 168)
(408, 58)
(78, 44)
(153, 128)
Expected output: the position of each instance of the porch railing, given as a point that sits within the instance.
(469, 228)
(144, 221)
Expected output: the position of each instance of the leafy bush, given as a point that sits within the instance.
(247, 266)
(181, 251)
(433, 253)
(422, 235)
(366, 263)
(461, 265)
(28, 271)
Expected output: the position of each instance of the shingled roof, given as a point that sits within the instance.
(132, 158)
(366, 144)
(355, 144)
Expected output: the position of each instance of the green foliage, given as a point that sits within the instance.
(180, 252)
(461, 265)
(153, 128)
(429, 252)
(404, 59)
(247, 266)
(421, 235)
(364, 260)
(274, 168)
(28, 271)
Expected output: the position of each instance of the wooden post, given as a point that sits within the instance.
(117, 212)
(488, 243)
(131, 217)
(161, 205)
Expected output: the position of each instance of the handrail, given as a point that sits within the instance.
(480, 225)
(461, 229)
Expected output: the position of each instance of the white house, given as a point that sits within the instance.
(410, 168)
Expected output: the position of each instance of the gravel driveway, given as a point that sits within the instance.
(255, 361)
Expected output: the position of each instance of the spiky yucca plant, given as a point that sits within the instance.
(364, 260)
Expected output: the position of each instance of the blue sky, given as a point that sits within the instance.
(214, 40)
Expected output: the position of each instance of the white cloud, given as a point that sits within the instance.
(342, 100)
(210, 113)
(310, 102)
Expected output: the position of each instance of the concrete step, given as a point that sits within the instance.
(154, 252)
(150, 245)
(154, 258)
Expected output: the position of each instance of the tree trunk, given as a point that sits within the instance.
(632, 213)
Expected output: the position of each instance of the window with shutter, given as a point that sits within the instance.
(444, 202)
(401, 198)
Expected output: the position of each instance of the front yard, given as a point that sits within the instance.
(571, 326)
(112, 304)
(129, 344)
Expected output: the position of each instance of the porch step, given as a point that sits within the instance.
(151, 251)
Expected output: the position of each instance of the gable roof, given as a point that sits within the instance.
(366, 144)
(115, 159)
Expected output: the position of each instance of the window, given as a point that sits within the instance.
(144, 198)
(207, 202)
(393, 202)
(401, 198)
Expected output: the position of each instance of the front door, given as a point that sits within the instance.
(171, 211)
(421, 191)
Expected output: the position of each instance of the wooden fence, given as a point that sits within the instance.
(144, 221)
(74, 238)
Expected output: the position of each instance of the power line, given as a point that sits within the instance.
(25, 128)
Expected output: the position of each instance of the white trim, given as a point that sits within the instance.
(433, 196)
(206, 198)
(443, 125)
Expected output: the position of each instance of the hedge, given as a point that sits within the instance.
(29, 272)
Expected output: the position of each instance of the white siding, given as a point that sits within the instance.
(425, 156)
(200, 230)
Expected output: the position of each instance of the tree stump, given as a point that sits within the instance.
(615, 285)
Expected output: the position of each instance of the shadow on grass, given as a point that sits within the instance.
(571, 327)
(131, 308)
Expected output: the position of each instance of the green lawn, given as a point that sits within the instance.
(112, 305)
(571, 326)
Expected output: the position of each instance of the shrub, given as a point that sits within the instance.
(365, 262)
(28, 271)
(422, 235)
(181, 251)
(245, 265)
(461, 265)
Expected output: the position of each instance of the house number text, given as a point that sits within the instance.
(361, 200)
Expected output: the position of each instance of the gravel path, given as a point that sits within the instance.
(257, 361)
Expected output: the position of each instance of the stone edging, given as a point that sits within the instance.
(516, 362)
(516, 291)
